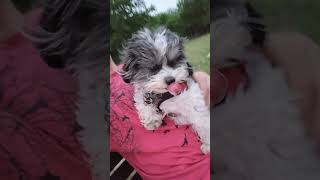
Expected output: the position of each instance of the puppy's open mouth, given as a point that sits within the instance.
(177, 88)
(172, 90)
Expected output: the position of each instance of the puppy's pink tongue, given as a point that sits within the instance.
(176, 88)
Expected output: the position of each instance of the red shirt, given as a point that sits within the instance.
(38, 136)
(169, 152)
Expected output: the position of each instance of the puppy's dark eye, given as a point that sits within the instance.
(156, 67)
(176, 61)
(172, 63)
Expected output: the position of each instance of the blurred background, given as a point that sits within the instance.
(291, 15)
(188, 18)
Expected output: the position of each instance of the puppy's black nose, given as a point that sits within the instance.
(169, 79)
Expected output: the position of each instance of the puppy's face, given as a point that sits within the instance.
(154, 60)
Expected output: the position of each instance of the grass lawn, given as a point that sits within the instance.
(197, 51)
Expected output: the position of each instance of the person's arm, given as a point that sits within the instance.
(299, 57)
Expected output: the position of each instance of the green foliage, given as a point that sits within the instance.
(170, 19)
(194, 16)
(190, 19)
(126, 17)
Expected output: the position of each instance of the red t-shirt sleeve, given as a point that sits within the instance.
(169, 152)
(121, 108)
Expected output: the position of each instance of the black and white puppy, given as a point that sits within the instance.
(154, 60)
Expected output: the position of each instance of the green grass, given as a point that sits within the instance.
(197, 51)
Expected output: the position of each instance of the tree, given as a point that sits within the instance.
(126, 17)
(194, 16)
(191, 18)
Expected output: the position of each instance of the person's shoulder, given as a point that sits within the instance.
(287, 34)
(287, 38)
(118, 86)
(116, 79)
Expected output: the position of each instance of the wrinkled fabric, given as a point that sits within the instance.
(169, 152)
(38, 136)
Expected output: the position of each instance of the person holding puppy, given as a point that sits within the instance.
(299, 65)
(168, 152)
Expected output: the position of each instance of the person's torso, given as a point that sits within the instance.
(169, 152)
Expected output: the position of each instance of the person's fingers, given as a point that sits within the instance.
(203, 79)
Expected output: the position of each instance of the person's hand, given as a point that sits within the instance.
(203, 79)
(299, 57)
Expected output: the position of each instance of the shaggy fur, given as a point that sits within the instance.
(149, 59)
(258, 134)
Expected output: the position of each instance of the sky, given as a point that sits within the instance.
(162, 5)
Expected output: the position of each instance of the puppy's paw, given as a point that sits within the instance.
(205, 148)
(169, 106)
(151, 122)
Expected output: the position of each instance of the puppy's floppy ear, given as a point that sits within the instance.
(126, 79)
(126, 72)
(190, 69)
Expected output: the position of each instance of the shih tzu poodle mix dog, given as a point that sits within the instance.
(154, 62)
(258, 131)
